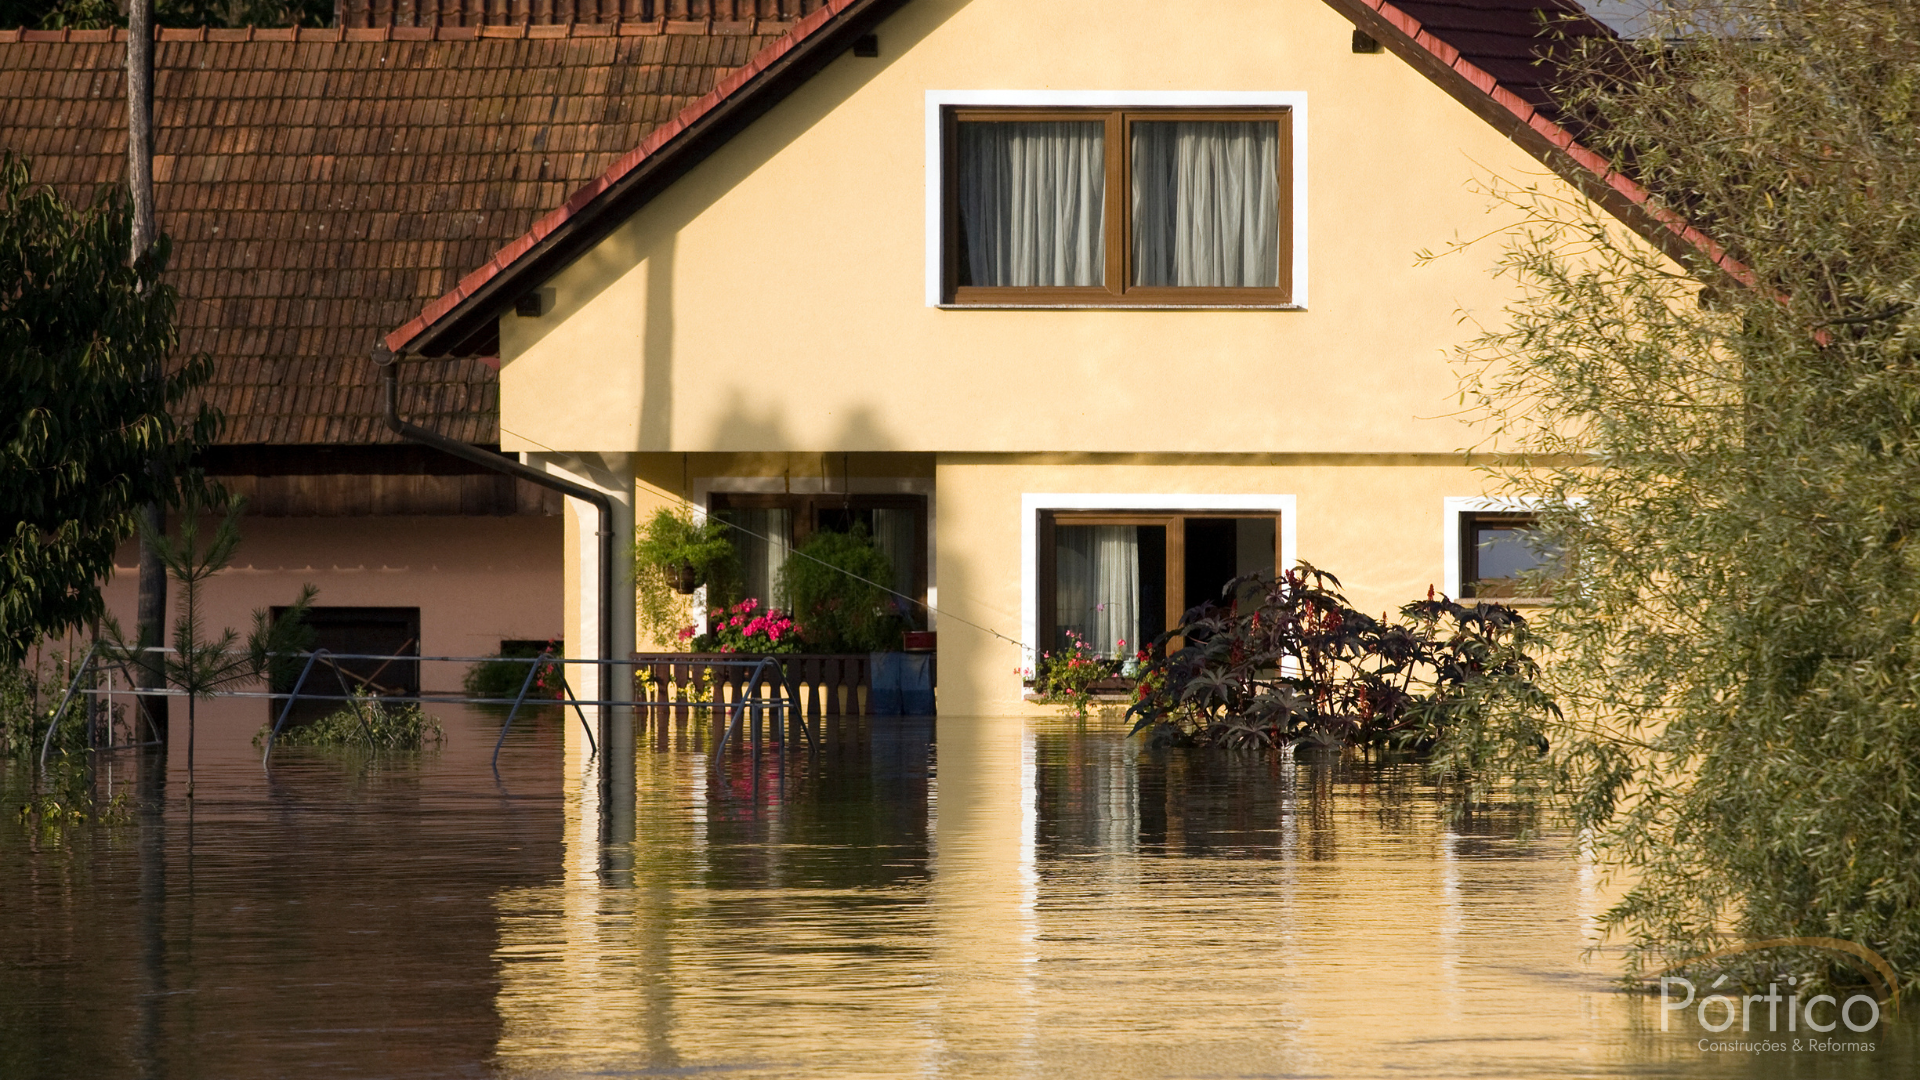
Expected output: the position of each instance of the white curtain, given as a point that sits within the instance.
(893, 536)
(762, 542)
(1097, 586)
(1032, 196)
(1206, 203)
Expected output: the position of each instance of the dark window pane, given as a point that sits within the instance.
(763, 537)
(348, 632)
(1211, 559)
(1153, 585)
(1501, 548)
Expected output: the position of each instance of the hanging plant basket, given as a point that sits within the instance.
(683, 578)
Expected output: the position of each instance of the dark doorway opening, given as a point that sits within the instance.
(1211, 558)
(351, 631)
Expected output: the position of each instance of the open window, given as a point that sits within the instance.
(1149, 207)
(769, 527)
(1119, 579)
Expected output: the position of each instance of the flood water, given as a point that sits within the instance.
(1012, 899)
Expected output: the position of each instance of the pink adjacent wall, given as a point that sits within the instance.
(476, 580)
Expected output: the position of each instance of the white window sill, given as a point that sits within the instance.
(1120, 307)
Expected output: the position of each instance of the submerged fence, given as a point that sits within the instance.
(772, 693)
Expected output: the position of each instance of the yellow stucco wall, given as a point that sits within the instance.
(1376, 523)
(774, 299)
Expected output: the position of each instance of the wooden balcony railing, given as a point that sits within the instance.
(825, 684)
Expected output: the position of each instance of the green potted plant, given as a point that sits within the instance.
(673, 556)
(832, 586)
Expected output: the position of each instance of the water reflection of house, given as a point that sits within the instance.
(319, 187)
(1119, 298)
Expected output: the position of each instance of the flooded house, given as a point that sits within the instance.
(1094, 304)
(1080, 308)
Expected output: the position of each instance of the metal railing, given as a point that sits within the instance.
(763, 694)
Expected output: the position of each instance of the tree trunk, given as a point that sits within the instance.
(151, 617)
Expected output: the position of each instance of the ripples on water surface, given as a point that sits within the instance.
(1028, 900)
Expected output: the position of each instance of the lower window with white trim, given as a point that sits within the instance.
(1119, 578)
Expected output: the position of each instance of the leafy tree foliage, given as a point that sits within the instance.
(1734, 444)
(367, 720)
(1286, 660)
(80, 421)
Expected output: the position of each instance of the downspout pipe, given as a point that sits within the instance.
(388, 362)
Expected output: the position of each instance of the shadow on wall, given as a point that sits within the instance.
(760, 424)
(656, 348)
(672, 211)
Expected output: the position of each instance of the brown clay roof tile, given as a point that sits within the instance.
(320, 192)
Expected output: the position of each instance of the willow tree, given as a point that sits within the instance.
(1727, 435)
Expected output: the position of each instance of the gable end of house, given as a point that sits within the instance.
(462, 323)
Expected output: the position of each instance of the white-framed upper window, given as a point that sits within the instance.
(1111, 199)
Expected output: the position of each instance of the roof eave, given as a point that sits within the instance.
(466, 315)
(1539, 135)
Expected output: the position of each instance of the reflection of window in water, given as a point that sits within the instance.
(1110, 577)
(1497, 551)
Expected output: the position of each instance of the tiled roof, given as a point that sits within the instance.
(321, 186)
(560, 12)
(462, 320)
(1511, 40)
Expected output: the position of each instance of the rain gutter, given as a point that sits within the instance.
(388, 362)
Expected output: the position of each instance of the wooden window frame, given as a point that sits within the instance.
(1174, 586)
(1118, 269)
(1470, 522)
